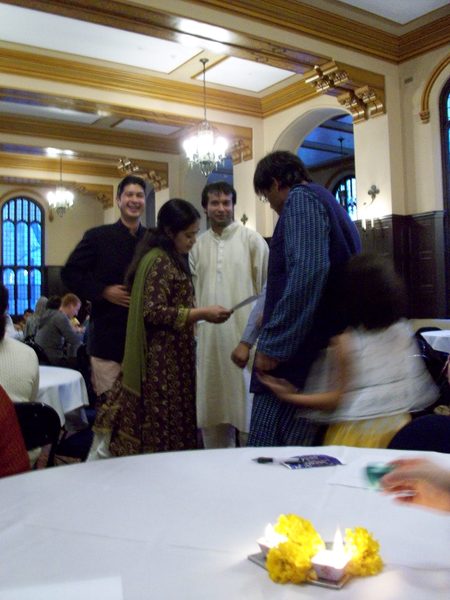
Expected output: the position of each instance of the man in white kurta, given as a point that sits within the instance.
(228, 264)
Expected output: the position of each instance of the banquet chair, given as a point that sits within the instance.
(430, 432)
(40, 426)
(435, 363)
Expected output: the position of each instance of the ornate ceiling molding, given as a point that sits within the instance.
(320, 24)
(102, 193)
(158, 177)
(363, 103)
(425, 102)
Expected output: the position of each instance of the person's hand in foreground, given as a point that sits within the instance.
(282, 388)
(263, 362)
(419, 481)
(241, 354)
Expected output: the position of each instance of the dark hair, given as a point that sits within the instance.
(174, 216)
(54, 302)
(218, 187)
(283, 166)
(128, 180)
(372, 294)
(4, 298)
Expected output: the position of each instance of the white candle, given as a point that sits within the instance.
(271, 539)
(330, 564)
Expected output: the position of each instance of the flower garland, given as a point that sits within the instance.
(290, 561)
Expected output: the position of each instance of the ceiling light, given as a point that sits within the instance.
(204, 148)
(61, 199)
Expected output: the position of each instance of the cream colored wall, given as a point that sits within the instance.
(421, 141)
(63, 233)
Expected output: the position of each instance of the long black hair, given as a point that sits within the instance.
(4, 298)
(174, 216)
(372, 294)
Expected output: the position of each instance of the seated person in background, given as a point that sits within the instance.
(55, 331)
(419, 481)
(13, 454)
(372, 376)
(19, 368)
(32, 322)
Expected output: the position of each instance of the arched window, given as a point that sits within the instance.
(345, 193)
(22, 249)
(445, 138)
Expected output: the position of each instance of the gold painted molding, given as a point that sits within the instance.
(78, 73)
(425, 102)
(102, 193)
(155, 22)
(307, 20)
(123, 80)
(74, 166)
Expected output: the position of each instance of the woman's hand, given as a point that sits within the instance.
(419, 481)
(216, 314)
(280, 387)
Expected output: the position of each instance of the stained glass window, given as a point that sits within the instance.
(22, 252)
(345, 193)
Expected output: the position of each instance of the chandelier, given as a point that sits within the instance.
(204, 148)
(61, 199)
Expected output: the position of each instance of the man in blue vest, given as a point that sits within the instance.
(313, 237)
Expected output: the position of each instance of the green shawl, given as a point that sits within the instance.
(134, 360)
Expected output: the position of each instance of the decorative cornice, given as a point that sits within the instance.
(75, 166)
(325, 76)
(102, 193)
(158, 178)
(425, 102)
(122, 80)
(307, 20)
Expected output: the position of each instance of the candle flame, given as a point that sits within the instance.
(338, 542)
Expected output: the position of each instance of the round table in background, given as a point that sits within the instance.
(62, 389)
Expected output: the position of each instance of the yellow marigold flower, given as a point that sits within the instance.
(364, 552)
(288, 562)
(300, 531)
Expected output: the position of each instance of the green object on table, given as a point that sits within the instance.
(375, 471)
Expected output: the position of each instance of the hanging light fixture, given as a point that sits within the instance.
(204, 148)
(61, 199)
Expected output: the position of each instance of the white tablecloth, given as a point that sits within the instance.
(179, 526)
(439, 340)
(63, 389)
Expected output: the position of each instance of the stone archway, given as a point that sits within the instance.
(294, 134)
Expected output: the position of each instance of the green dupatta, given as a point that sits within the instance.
(134, 360)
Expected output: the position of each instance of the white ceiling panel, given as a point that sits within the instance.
(400, 11)
(245, 74)
(147, 127)
(52, 32)
(48, 112)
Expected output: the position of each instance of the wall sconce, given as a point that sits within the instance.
(373, 191)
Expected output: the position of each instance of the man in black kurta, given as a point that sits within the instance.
(95, 271)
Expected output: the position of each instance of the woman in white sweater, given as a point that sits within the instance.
(19, 367)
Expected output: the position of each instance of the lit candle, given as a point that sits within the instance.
(330, 564)
(271, 539)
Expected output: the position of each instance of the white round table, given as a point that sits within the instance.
(179, 526)
(62, 389)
